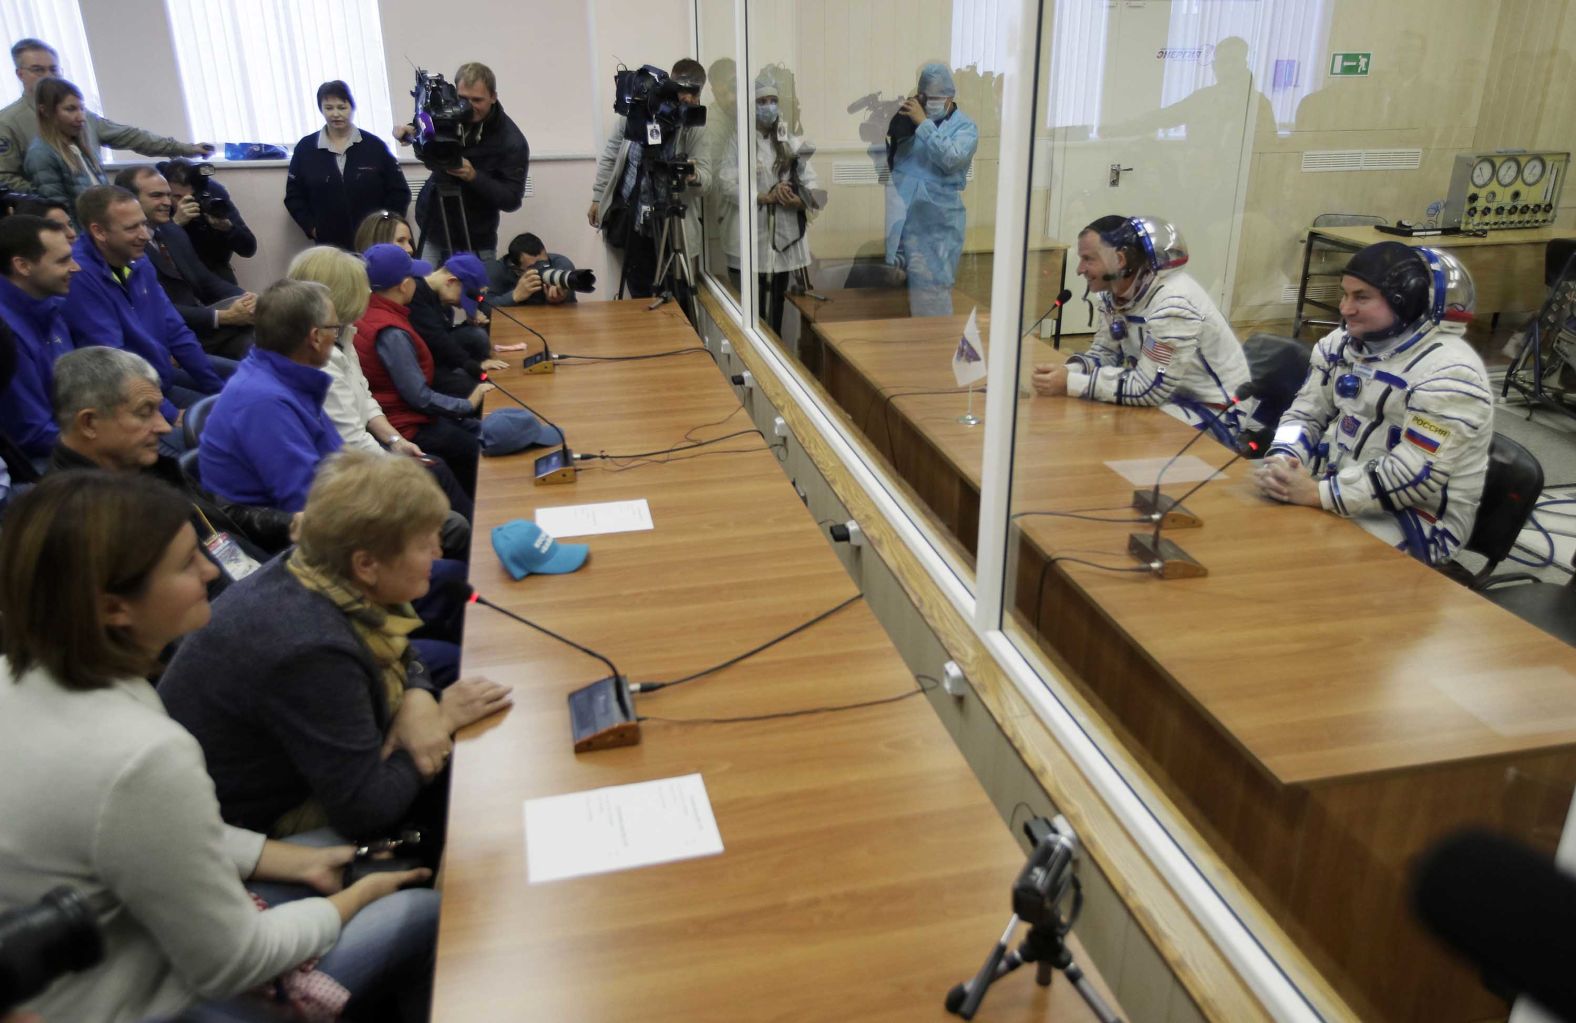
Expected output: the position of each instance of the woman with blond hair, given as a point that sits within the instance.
(102, 791)
(385, 226)
(62, 162)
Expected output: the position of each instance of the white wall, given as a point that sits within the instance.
(554, 62)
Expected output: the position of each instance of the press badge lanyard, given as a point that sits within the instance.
(235, 563)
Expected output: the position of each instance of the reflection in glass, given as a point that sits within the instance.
(930, 145)
(784, 195)
(722, 145)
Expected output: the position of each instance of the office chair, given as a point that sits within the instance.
(189, 469)
(1277, 366)
(1547, 606)
(196, 418)
(1510, 494)
(874, 275)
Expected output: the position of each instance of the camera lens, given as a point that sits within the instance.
(38, 943)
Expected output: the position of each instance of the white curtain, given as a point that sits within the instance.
(60, 25)
(250, 68)
(1286, 48)
(1078, 41)
(977, 39)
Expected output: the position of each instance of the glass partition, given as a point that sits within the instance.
(717, 23)
(1293, 665)
(870, 170)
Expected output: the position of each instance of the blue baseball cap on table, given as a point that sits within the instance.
(524, 548)
(514, 429)
(473, 278)
(388, 265)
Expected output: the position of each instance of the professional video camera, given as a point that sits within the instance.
(649, 101)
(572, 280)
(440, 119)
(58, 934)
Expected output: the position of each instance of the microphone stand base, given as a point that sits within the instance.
(1172, 513)
(555, 467)
(602, 715)
(538, 363)
(1164, 557)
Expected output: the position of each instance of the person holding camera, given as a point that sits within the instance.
(203, 207)
(221, 314)
(785, 200)
(98, 574)
(517, 279)
(490, 178)
(930, 145)
(339, 175)
(615, 204)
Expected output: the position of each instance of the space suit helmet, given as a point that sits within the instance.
(1416, 284)
(1149, 242)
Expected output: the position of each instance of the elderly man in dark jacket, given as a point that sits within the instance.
(490, 178)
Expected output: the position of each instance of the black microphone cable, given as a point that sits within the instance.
(651, 687)
(546, 348)
(565, 356)
(675, 449)
(919, 680)
(477, 598)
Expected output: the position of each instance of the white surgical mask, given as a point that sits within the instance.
(935, 109)
(765, 114)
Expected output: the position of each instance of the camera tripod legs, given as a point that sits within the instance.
(1042, 946)
(673, 266)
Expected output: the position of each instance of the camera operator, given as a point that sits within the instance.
(491, 176)
(204, 208)
(35, 61)
(514, 281)
(613, 199)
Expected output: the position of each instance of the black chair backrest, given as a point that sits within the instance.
(1278, 366)
(873, 275)
(1510, 493)
(188, 461)
(196, 418)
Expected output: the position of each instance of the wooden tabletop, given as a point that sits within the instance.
(864, 872)
(861, 304)
(1317, 648)
(1362, 236)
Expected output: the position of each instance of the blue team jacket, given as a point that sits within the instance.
(26, 413)
(267, 433)
(137, 317)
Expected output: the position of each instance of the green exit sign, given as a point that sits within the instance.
(1343, 64)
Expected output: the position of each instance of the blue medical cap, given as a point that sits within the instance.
(936, 80)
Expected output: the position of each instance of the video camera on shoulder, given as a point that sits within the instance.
(649, 101)
(57, 935)
(439, 120)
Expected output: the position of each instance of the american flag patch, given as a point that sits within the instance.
(1158, 351)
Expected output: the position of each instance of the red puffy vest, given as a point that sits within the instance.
(382, 313)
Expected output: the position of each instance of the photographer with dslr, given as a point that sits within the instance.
(493, 160)
(204, 208)
(517, 278)
(615, 206)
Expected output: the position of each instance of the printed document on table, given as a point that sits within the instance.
(619, 827)
(595, 519)
(1141, 472)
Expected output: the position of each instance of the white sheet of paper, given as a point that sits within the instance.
(619, 827)
(1141, 472)
(594, 519)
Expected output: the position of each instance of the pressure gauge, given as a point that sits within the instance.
(1532, 170)
(1509, 170)
(1482, 172)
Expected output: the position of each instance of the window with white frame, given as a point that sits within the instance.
(250, 68)
(59, 25)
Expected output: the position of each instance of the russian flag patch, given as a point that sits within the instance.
(1425, 433)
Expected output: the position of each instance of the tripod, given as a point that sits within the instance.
(447, 193)
(1044, 946)
(673, 263)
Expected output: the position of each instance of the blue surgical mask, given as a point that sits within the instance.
(935, 109)
(766, 114)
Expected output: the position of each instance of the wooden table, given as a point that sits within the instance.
(1506, 266)
(1320, 707)
(865, 871)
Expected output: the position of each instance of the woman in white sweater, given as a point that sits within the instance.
(101, 791)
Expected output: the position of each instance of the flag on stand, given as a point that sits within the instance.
(968, 362)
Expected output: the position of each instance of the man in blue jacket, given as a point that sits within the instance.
(117, 301)
(36, 267)
(268, 431)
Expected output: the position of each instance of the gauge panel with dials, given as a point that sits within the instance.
(1507, 189)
